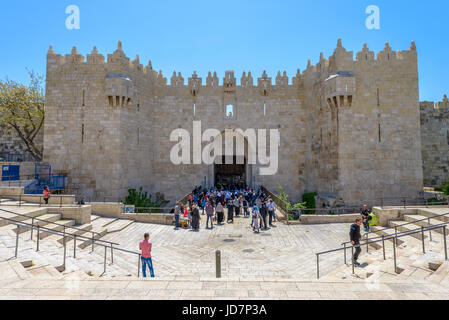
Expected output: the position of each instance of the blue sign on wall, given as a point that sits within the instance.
(10, 173)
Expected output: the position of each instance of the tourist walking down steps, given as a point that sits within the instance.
(145, 248)
(355, 236)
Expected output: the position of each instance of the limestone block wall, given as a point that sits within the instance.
(348, 128)
(379, 130)
(435, 142)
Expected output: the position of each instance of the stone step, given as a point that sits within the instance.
(118, 225)
(53, 227)
(44, 220)
(102, 222)
(389, 232)
(44, 272)
(83, 231)
(416, 220)
(100, 233)
(26, 213)
(441, 275)
(404, 226)
(431, 214)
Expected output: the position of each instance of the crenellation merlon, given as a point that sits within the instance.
(341, 59)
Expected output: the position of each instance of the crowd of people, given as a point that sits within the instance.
(238, 202)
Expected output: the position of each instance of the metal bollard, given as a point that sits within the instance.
(218, 263)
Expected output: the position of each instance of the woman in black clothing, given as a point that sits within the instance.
(230, 206)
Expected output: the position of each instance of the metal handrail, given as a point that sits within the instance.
(405, 224)
(84, 239)
(395, 237)
(57, 224)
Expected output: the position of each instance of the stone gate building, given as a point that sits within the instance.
(348, 128)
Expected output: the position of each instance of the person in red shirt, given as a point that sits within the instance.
(145, 246)
(46, 194)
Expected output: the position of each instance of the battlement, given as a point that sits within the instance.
(341, 59)
(430, 106)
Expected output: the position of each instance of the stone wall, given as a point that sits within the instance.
(435, 142)
(108, 124)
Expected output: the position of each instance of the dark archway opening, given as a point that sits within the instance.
(230, 175)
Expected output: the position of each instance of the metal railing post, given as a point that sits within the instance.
(38, 238)
(430, 230)
(60, 201)
(352, 259)
(395, 240)
(445, 242)
(317, 266)
(65, 250)
(218, 263)
(105, 254)
(345, 253)
(20, 200)
(112, 254)
(394, 256)
(32, 227)
(383, 246)
(367, 245)
(138, 268)
(93, 240)
(422, 237)
(74, 246)
(17, 241)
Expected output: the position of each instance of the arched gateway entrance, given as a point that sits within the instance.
(230, 174)
(237, 171)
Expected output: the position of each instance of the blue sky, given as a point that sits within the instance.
(237, 35)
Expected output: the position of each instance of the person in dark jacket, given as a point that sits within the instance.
(230, 206)
(195, 217)
(355, 236)
(264, 213)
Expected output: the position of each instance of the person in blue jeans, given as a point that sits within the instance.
(145, 247)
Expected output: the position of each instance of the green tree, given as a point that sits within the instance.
(22, 110)
(287, 205)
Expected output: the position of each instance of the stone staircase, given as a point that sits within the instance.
(50, 254)
(412, 263)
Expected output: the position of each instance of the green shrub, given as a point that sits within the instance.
(309, 201)
(445, 188)
(141, 199)
(287, 206)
